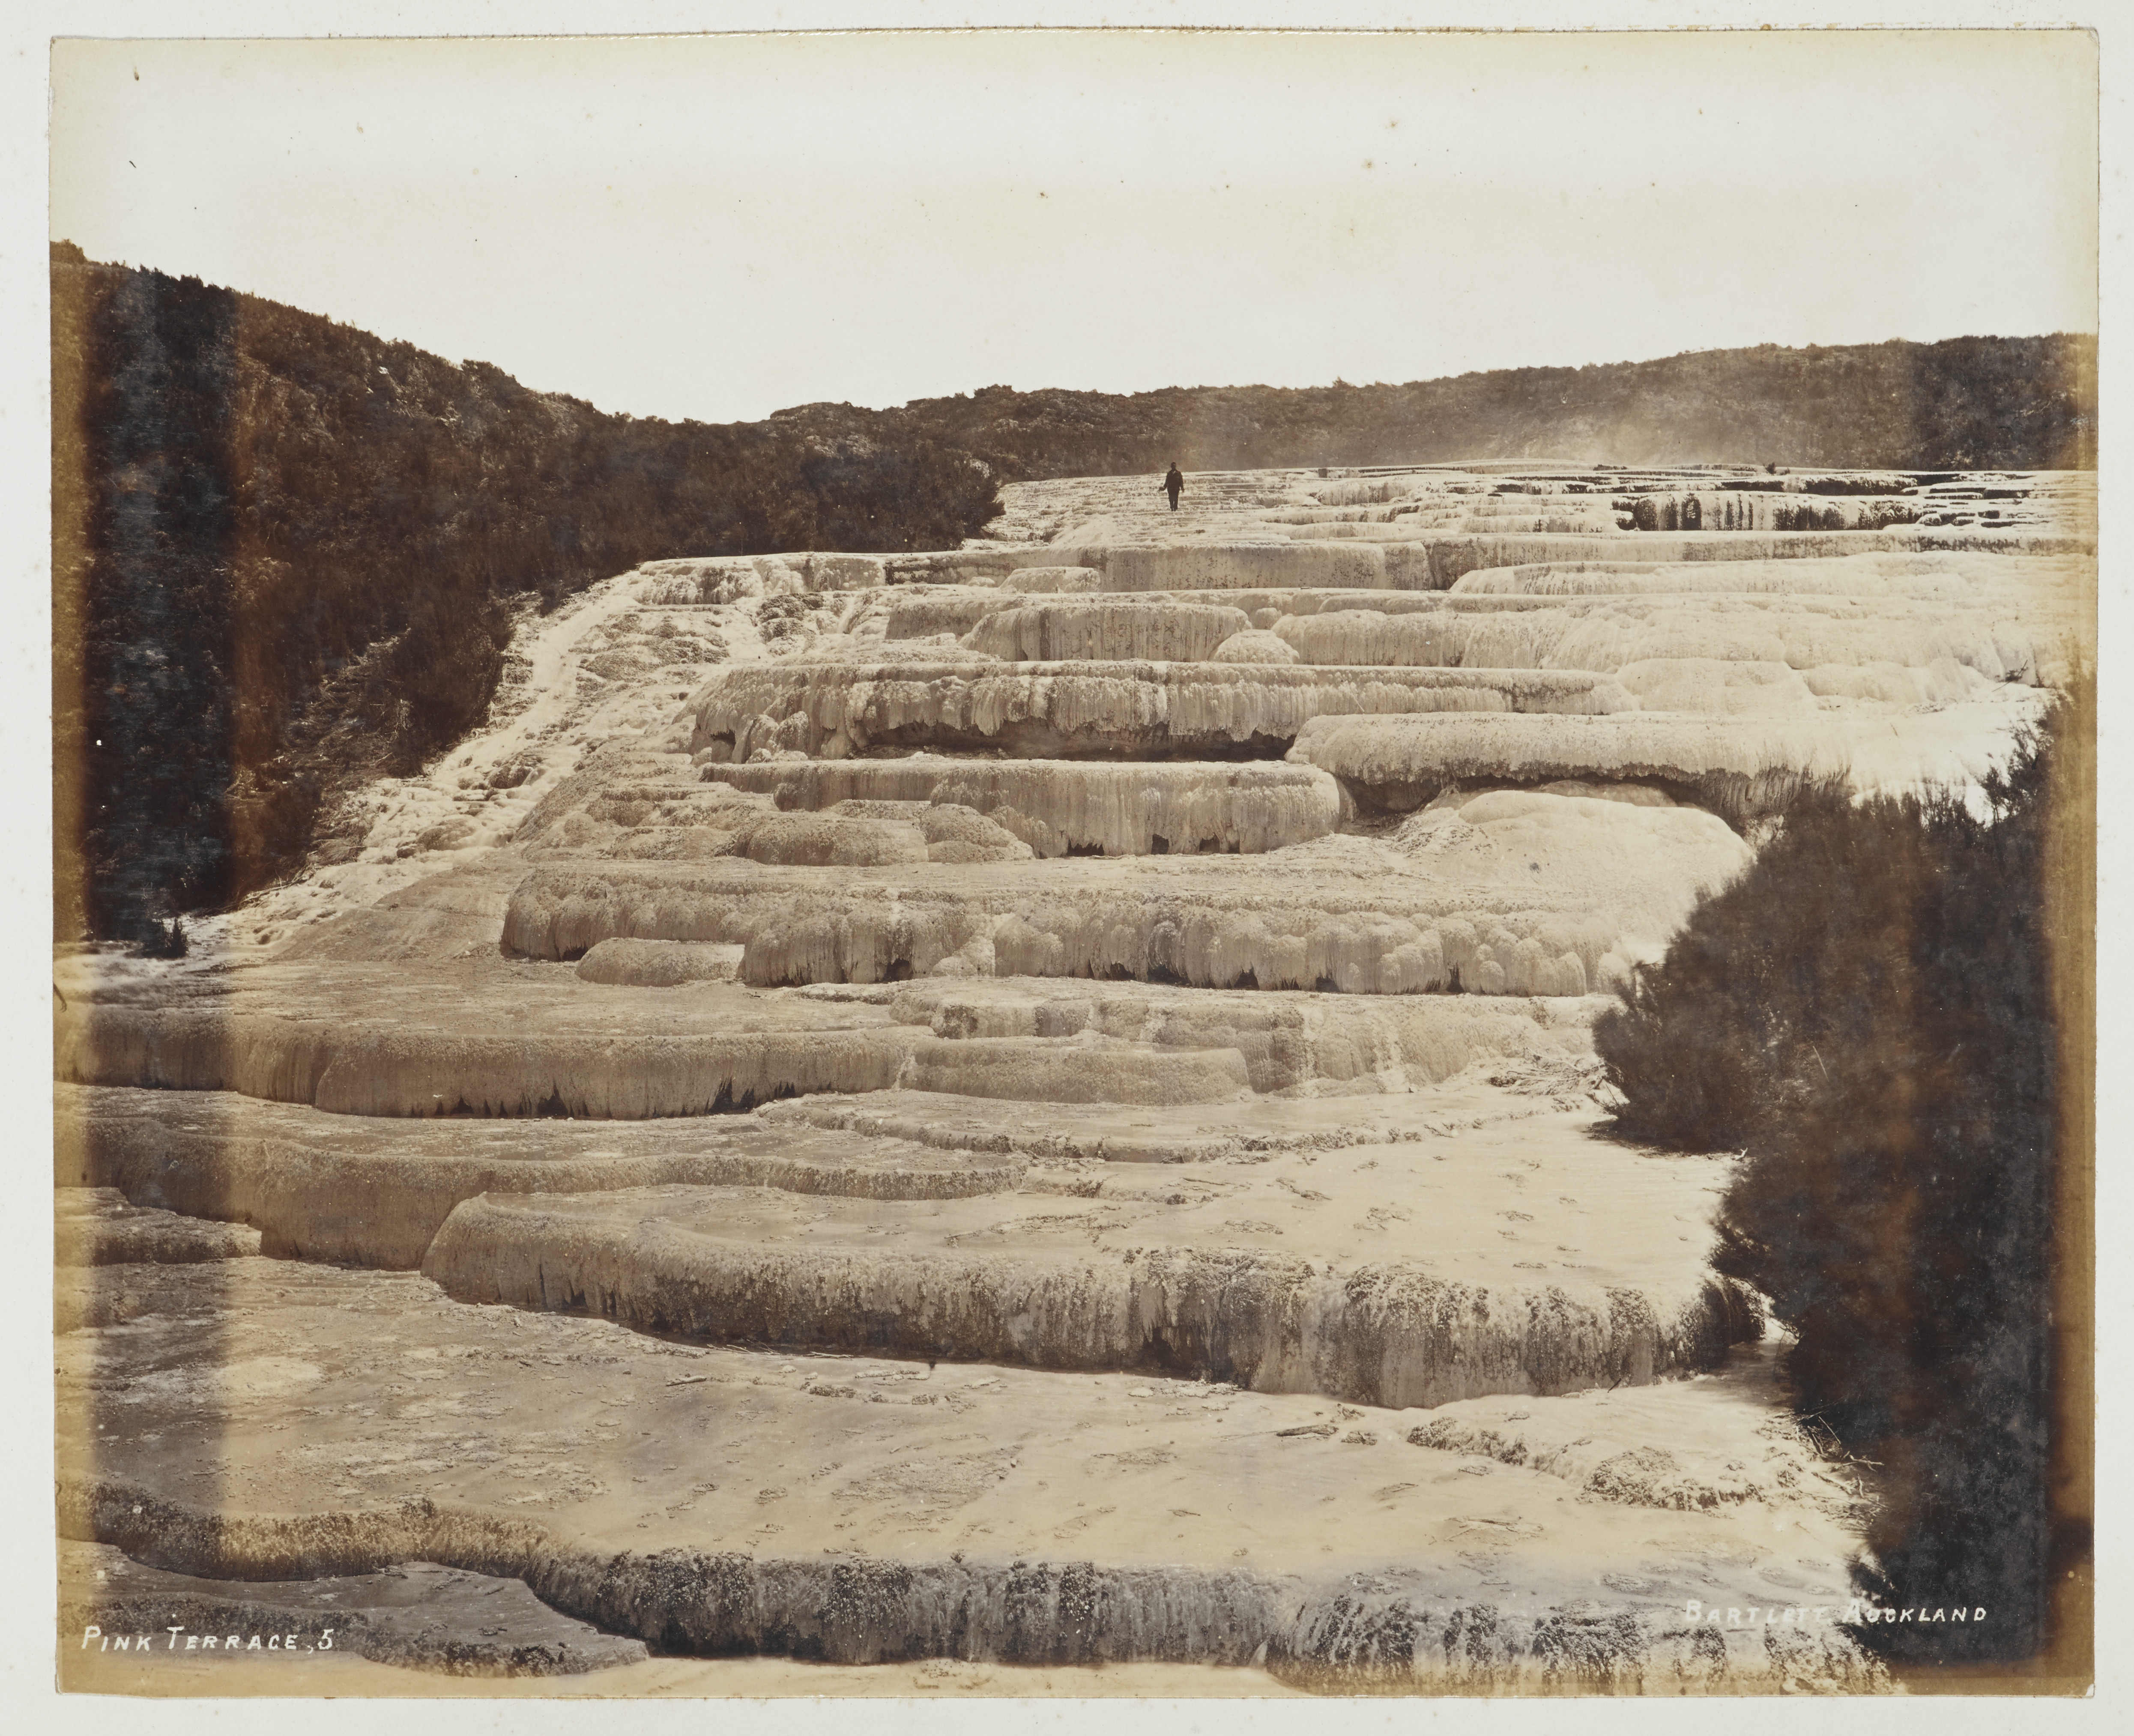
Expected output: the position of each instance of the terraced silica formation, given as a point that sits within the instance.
(1027, 1105)
(1215, 710)
(1075, 806)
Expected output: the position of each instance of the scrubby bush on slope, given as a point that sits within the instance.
(284, 553)
(1870, 1013)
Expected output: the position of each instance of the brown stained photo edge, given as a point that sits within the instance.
(862, 1051)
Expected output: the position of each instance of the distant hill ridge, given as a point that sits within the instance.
(1963, 403)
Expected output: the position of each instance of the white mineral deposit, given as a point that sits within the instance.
(1026, 1106)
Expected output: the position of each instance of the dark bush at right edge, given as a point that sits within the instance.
(1870, 1015)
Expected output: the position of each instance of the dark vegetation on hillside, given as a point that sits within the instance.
(1966, 403)
(1870, 1013)
(285, 551)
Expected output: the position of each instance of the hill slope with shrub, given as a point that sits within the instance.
(285, 551)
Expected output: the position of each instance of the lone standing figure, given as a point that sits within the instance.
(1172, 484)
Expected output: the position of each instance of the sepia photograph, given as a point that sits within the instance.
(956, 865)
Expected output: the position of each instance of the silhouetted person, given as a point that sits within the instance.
(1172, 484)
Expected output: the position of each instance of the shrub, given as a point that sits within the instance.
(163, 940)
(1868, 1015)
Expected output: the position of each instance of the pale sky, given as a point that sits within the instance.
(721, 228)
